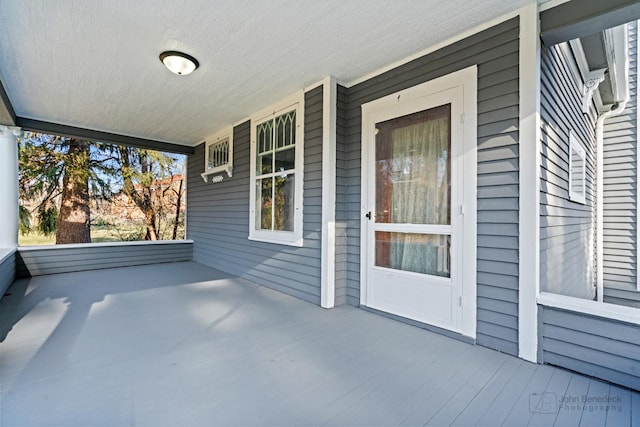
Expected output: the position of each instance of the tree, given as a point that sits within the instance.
(178, 205)
(74, 219)
(147, 177)
(40, 169)
(56, 176)
(60, 179)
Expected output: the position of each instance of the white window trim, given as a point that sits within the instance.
(295, 237)
(227, 133)
(574, 145)
(593, 308)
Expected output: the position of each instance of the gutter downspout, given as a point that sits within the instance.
(618, 52)
(599, 195)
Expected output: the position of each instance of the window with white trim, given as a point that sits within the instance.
(577, 170)
(277, 176)
(218, 155)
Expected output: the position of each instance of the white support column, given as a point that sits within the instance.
(328, 279)
(9, 186)
(529, 235)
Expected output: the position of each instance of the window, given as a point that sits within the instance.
(276, 176)
(577, 171)
(218, 156)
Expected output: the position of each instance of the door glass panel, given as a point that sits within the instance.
(413, 168)
(417, 253)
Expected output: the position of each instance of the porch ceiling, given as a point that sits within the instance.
(95, 65)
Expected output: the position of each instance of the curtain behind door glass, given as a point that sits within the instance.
(413, 174)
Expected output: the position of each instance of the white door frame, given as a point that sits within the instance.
(466, 80)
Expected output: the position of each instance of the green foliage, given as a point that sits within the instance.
(111, 229)
(144, 173)
(47, 220)
(45, 160)
(133, 236)
(275, 201)
(24, 220)
(40, 165)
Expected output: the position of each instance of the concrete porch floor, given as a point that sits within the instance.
(182, 344)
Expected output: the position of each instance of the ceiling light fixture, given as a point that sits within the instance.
(178, 62)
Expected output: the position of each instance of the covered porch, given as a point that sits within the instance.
(184, 344)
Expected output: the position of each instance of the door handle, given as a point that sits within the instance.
(368, 215)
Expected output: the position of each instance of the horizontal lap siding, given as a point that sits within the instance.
(620, 243)
(341, 264)
(40, 261)
(218, 216)
(566, 228)
(7, 272)
(495, 51)
(596, 346)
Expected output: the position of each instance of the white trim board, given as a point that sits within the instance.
(574, 55)
(317, 84)
(101, 244)
(328, 255)
(551, 4)
(6, 253)
(593, 308)
(529, 215)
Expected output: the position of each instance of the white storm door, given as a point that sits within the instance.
(414, 211)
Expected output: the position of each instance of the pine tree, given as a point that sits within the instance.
(59, 171)
(60, 177)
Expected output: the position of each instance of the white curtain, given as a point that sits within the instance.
(421, 195)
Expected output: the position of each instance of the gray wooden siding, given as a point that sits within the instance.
(495, 51)
(567, 228)
(596, 346)
(620, 195)
(7, 270)
(218, 216)
(342, 185)
(34, 261)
